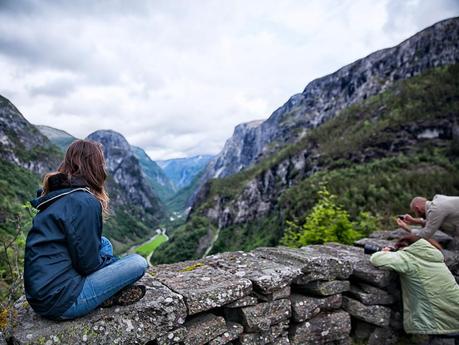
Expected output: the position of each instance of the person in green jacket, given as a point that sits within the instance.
(429, 291)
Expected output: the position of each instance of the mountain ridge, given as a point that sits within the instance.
(434, 46)
(414, 118)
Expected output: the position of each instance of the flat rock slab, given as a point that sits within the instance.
(325, 288)
(452, 260)
(375, 242)
(345, 341)
(375, 314)
(202, 286)
(305, 307)
(262, 316)
(396, 234)
(360, 262)
(159, 311)
(270, 336)
(266, 276)
(243, 302)
(278, 294)
(383, 336)
(282, 340)
(174, 337)
(203, 328)
(233, 331)
(322, 329)
(314, 265)
(370, 295)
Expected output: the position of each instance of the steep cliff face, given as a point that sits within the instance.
(390, 125)
(57, 136)
(161, 184)
(182, 171)
(22, 144)
(131, 196)
(375, 156)
(324, 98)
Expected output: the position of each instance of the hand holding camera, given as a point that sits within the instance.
(372, 248)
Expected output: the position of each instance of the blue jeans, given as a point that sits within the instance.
(107, 281)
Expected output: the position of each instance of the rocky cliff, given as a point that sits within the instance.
(374, 155)
(130, 193)
(319, 294)
(182, 171)
(324, 98)
(22, 144)
(57, 136)
(159, 181)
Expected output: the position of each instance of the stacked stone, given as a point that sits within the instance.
(319, 294)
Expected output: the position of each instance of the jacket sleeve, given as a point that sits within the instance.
(392, 260)
(84, 230)
(434, 219)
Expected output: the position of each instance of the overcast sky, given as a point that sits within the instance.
(176, 77)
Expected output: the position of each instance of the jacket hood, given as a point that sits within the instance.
(424, 250)
(59, 185)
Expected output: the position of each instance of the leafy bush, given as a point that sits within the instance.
(328, 222)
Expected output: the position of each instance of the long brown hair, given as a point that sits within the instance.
(84, 159)
(410, 239)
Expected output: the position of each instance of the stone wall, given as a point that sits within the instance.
(319, 294)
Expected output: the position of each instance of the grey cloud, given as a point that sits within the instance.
(60, 87)
(176, 77)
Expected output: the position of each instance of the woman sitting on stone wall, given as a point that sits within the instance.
(429, 291)
(69, 267)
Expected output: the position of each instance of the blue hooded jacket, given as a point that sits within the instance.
(62, 247)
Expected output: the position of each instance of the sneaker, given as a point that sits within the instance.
(125, 296)
(110, 302)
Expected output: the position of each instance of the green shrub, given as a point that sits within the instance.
(328, 222)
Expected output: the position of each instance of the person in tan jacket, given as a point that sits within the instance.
(442, 213)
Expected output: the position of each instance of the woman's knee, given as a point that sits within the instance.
(138, 262)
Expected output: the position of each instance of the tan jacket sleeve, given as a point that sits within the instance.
(434, 219)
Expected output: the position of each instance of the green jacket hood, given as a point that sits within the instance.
(424, 250)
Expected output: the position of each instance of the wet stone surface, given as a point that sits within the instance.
(266, 276)
(375, 314)
(322, 329)
(202, 286)
(306, 307)
(117, 325)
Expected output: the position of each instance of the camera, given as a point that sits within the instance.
(372, 248)
(401, 216)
